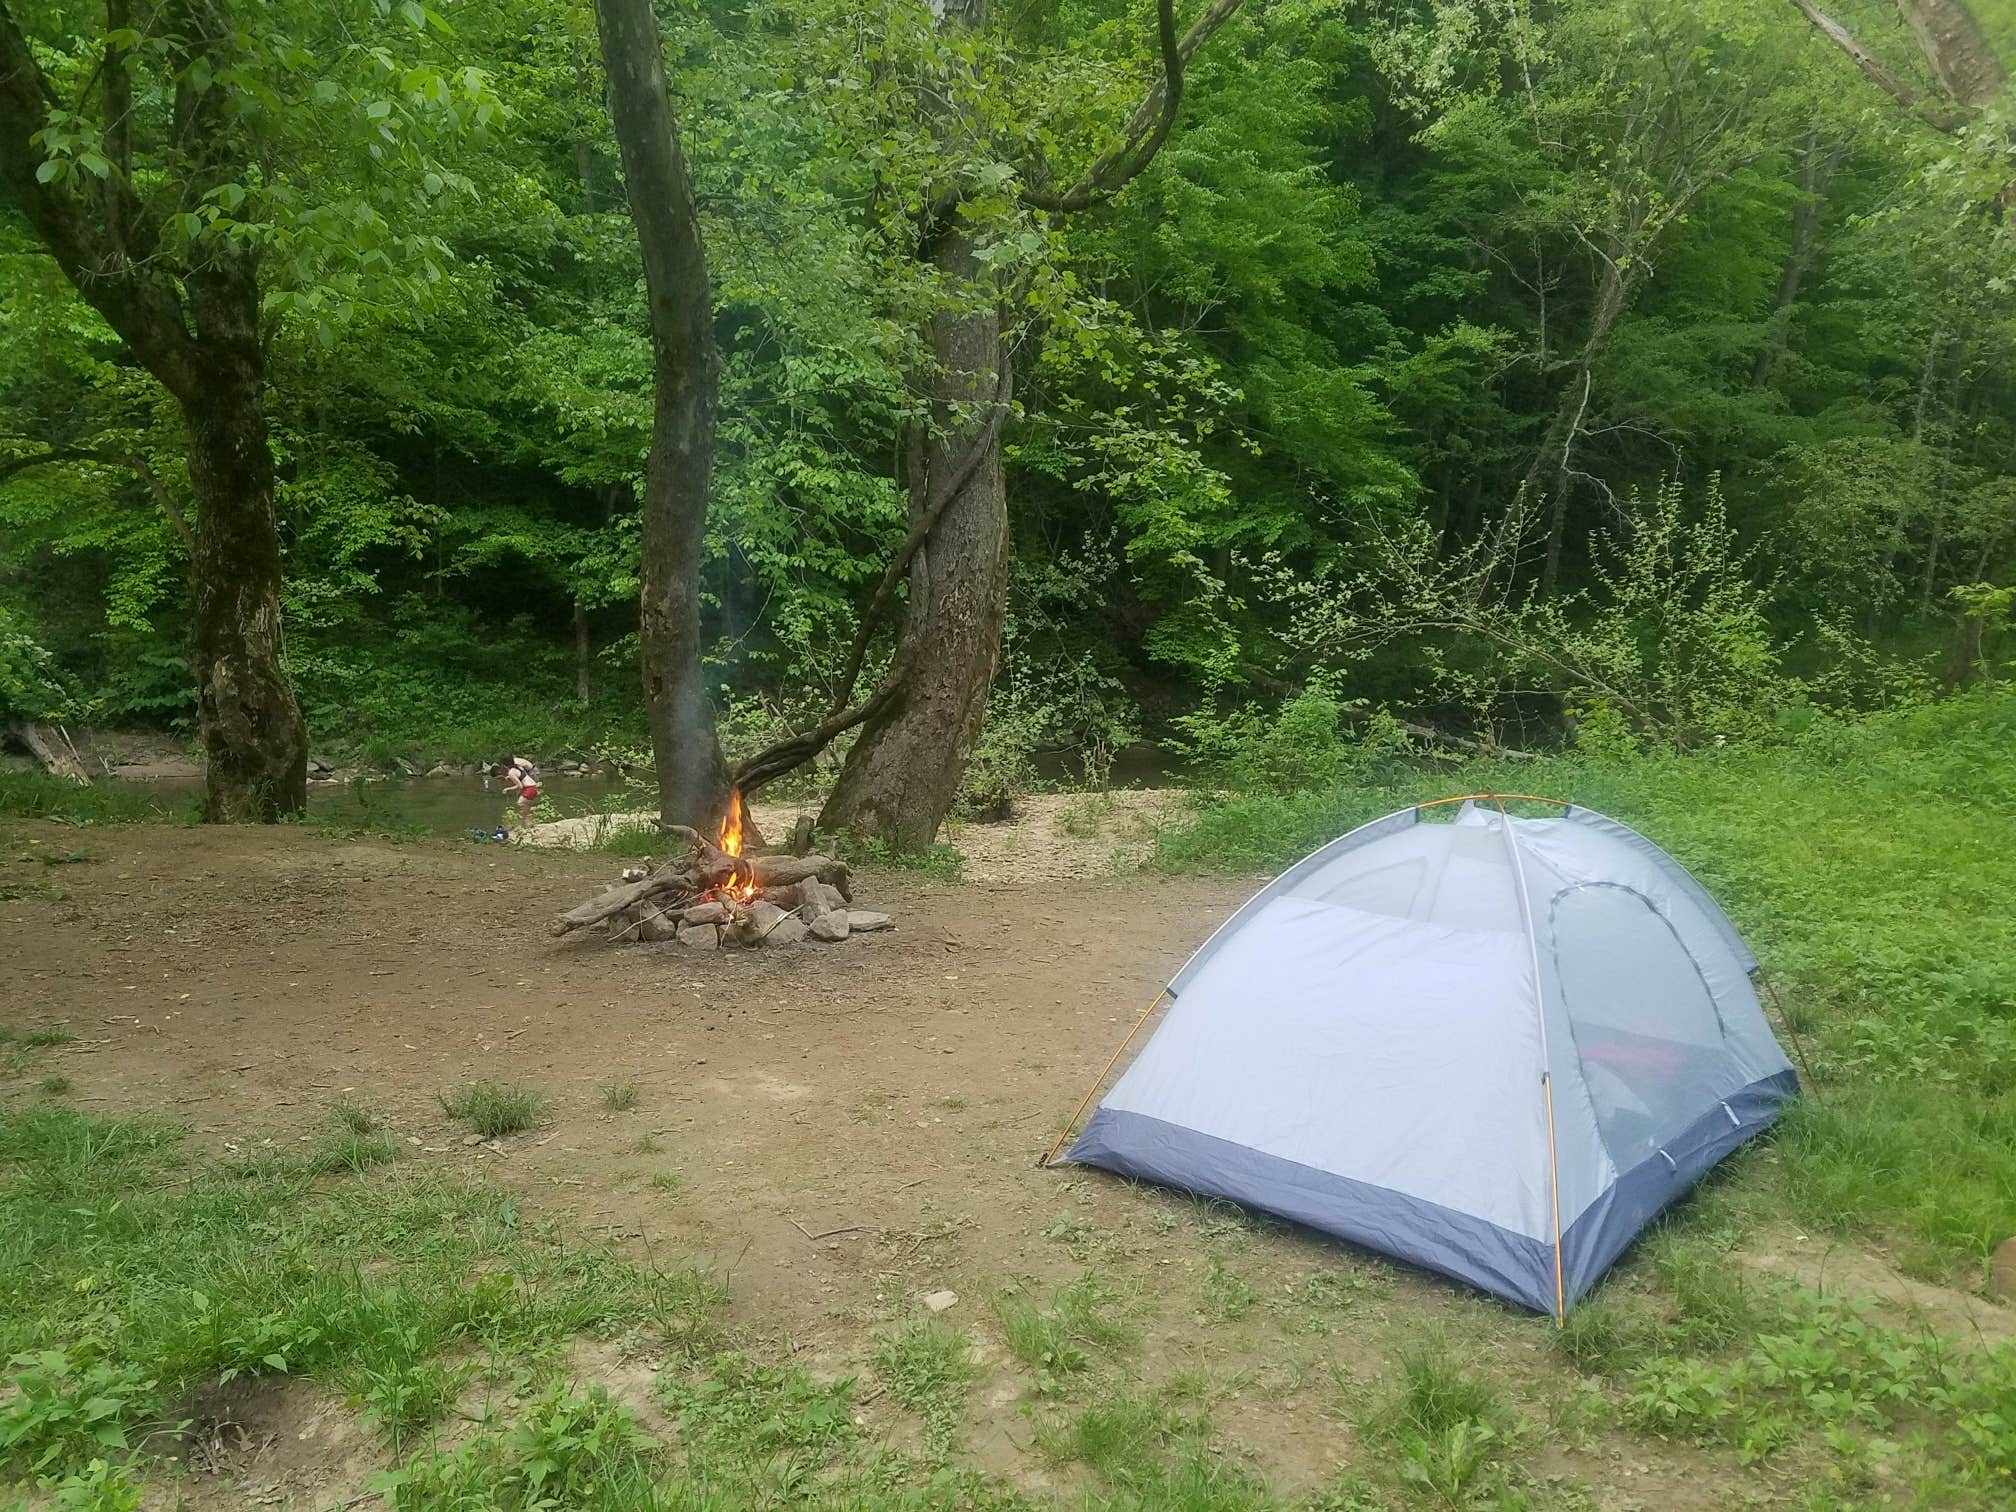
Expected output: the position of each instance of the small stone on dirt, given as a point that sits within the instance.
(831, 926)
(938, 1301)
(861, 921)
(472, 1140)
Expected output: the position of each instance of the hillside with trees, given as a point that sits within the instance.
(919, 388)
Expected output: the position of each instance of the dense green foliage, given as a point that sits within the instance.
(1410, 287)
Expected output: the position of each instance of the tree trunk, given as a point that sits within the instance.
(254, 742)
(51, 748)
(902, 775)
(1818, 174)
(584, 652)
(1554, 459)
(692, 776)
(1956, 48)
(196, 330)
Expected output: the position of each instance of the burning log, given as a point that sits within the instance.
(746, 900)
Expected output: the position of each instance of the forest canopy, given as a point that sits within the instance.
(1499, 371)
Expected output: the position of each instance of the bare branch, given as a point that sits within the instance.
(1149, 127)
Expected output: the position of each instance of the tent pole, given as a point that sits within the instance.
(1546, 1065)
(1798, 1045)
(1099, 1081)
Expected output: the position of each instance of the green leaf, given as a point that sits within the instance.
(277, 1362)
(50, 170)
(95, 164)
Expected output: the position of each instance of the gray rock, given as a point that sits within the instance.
(441, 769)
(938, 1301)
(816, 898)
(318, 764)
(699, 934)
(764, 916)
(860, 921)
(711, 912)
(2002, 1270)
(658, 925)
(789, 930)
(831, 926)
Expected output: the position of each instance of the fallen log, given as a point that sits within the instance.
(768, 871)
(50, 746)
(666, 882)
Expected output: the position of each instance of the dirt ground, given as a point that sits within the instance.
(852, 1126)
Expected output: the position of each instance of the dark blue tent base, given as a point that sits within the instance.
(1470, 1249)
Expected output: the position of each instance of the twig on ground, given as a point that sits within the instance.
(852, 1228)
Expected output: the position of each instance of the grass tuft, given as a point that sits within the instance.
(619, 1097)
(927, 1365)
(355, 1119)
(493, 1109)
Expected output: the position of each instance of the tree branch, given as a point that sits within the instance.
(134, 464)
(1152, 120)
(144, 310)
(1909, 98)
(786, 755)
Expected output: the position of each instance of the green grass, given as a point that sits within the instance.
(37, 1039)
(940, 860)
(37, 795)
(1084, 1317)
(1870, 865)
(55, 1086)
(927, 1365)
(619, 1097)
(492, 1109)
(130, 1275)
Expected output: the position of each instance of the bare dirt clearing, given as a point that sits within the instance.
(841, 1132)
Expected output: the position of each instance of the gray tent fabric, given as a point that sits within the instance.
(1496, 1047)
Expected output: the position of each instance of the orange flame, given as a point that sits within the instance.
(741, 888)
(731, 826)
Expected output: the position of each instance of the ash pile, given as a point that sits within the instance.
(715, 897)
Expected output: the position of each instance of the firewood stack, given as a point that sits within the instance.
(710, 898)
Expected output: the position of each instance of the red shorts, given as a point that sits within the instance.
(528, 792)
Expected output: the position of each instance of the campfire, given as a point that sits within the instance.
(715, 895)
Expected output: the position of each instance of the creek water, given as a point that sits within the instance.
(440, 805)
(454, 805)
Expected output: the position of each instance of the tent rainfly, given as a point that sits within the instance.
(1495, 1048)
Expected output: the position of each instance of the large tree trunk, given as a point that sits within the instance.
(1956, 48)
(692, 776)
(902, 775)
(254, 742)
(196, 330)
